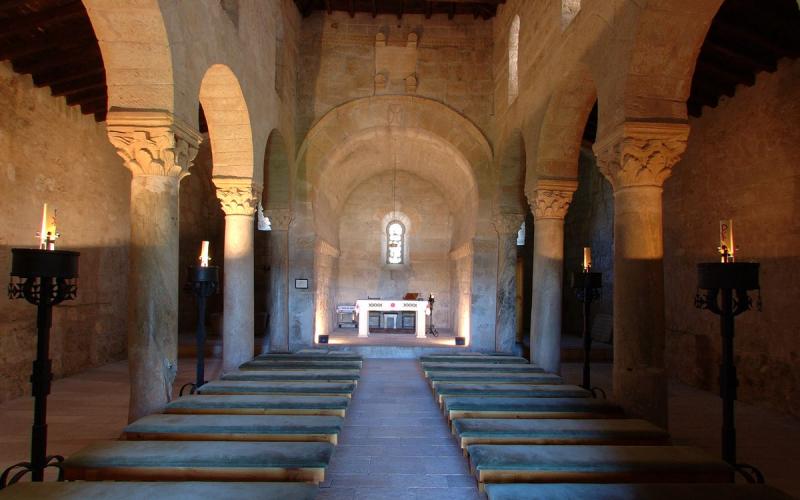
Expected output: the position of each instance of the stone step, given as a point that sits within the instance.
(228, 387)
(260, 405)
(300, 364)
(294, 375)
(662, 491)
(558, 431)
(480, 367)
(199, 460)
(471, 358)
(312, 354)
(131, 490)
(601, 464)
(478, 407)
(510, 390)
(235, 428)
(436, 378)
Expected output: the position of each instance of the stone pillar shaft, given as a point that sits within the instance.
(239, 199)
(279, 280)
(507, 226)
(549, 205)
(637, 159)
(158, 151)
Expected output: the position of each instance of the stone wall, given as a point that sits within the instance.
(50, 153)
(740, 164)
(452, 62)
(362, 269)
(589, 222)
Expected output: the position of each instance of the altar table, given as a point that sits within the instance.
(363, 308)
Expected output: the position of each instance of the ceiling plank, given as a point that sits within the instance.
(47, 17)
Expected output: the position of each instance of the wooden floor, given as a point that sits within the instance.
(392, 398)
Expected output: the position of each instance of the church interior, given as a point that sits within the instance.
(417, 249)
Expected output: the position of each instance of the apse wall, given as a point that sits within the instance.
(362, 271)
(740, 164)
(50, 153)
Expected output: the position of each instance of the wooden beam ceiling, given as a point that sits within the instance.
(477, 8)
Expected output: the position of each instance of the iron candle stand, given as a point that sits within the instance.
(432, 329)
(203, 282)
(723, 288)
(587, 286)
(44, 278)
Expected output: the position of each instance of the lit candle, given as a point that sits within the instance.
(52, 233)
(587, 259)
(43, 230)
(726, 247)
(204, 255)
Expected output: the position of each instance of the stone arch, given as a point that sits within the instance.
(228, 123)
(277, 191)
(565, 117)
(510, 196)
(136, 53)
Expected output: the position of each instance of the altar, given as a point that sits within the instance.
(364, 307)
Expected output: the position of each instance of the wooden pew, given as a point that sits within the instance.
(480, 367)
(130, 490)
(294, 375)
(230, 387)
(312, 355)
(471, 358)
(509, 390)
(691, 491)
(294, 364)
(478, 407)
(435, 378)
(179, 427)
(558, 431)
(599, 464)
(259, 405)
(198, 461)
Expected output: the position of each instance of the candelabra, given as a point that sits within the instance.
(723, 288)
(587, 287)
(44, 278)
(431, 329)
(203, 282)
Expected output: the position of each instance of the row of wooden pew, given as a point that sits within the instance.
(528, 435)
(266, 430)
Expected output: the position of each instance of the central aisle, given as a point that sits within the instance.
(395, 443)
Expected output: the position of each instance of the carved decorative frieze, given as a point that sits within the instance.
(153, 142)
(641, 154)
(279, 218)
(551, 198)
(237, 196)
(508, 224)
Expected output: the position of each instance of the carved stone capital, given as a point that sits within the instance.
(324, 248)
(279, 218)
(641, 154)
(507, 224)
(551, 198)
(153, 142)
(237, 196)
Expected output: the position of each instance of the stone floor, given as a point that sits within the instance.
(395, 442)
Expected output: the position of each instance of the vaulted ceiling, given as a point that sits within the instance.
(477, 8)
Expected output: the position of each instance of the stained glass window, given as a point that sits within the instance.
(395, 241)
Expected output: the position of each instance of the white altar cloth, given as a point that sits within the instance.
(363, 308)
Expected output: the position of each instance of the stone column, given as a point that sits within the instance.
(507, 226)
(636, 159)
(325, 256)
(549, 204)
(278, 308)
(158, 150)
(239, 200)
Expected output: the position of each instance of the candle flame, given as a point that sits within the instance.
(587, 259)
(204, 254)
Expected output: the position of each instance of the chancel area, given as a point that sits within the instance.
(400, 249)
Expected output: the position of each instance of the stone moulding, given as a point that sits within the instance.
(153, 142)
(237, 196)
(641, 154)
(552, 197)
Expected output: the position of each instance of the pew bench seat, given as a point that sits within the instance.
(510, 390)
(435, 378)
(130, 490)
(497, 463)
(177, 427)
(472, 358)
(294, 375)
(478, 407)
(558, 431)
(715, 491)
(311, 355)
(294, 364)
(228, 387)
(260, 405)
(480, 367)
(199, 461)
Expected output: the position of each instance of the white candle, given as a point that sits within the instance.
(204, 254)
(726, 247)
(587, 258)
(43, 231)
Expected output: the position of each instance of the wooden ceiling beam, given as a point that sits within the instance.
(64, 74)
(58, 60)
(37, 20)
(48, 41)
(402, 9)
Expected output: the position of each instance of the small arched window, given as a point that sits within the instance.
(569, 9)
(395, 242)
(513, 61)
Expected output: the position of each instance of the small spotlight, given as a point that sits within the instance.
(323, 339)
(461, 341)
